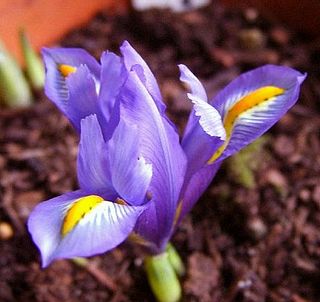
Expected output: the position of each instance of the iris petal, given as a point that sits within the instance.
(132, 58)
(194, 188)
(82, 100)
(204, 131)
(100, 228)
(195, 86)
(72, 81)
(159, 146)
(254, 102)
(73, 57)
(249, 106)
(115, 166)
(93, 162)
(113, 76)
(131, 175)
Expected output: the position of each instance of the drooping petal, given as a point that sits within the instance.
(205, 131)
(93, 162)
(132, 58)
(73, 57)
(130, 173)
(249, 106)
(159, 146)
(254, 102)
(78, 225)
(72, 81)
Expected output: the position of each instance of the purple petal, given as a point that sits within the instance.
(70, 56)
(194, 188)
(93, 163)
(45, 221)
(271, 90)
(75, 94)
(83, 99)
(100, 228)
(203, 113)
(113, 76)
(254, 102)
(204, 131)
(195, 86)
(132, 58)
(131, 175)
(159, 146)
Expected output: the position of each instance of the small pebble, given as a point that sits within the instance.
(252, 39)
(257, 228)
(276, 178)
(6, 231)
(316, 194)
(284, 146)
(2, 162)
(304, 195)
(251, 14)
(280, 35)
(223, 57)
(244, 284)
(138, 262)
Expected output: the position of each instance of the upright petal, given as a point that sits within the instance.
(113, 76)
(132, 58)
(83, 99)
(159, 146)
(254, 102)
(72, 82)
(79, 225)
(204, 132)
(93, 162)
(195, 86)
(130, 173)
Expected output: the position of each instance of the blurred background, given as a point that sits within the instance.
(46, 20)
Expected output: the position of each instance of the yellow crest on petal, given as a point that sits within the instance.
(77, 211)
(66, 70)
(254, 99)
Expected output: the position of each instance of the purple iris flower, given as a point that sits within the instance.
(130, 163)
(135, 178)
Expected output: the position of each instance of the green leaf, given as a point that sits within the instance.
(14, 89)
(34, 65)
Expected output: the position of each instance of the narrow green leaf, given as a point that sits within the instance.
(14, 89)
(34, 65)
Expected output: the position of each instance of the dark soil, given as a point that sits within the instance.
(242, 242)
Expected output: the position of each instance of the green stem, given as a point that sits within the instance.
(162, 278)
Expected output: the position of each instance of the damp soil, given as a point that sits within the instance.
(244, 241)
